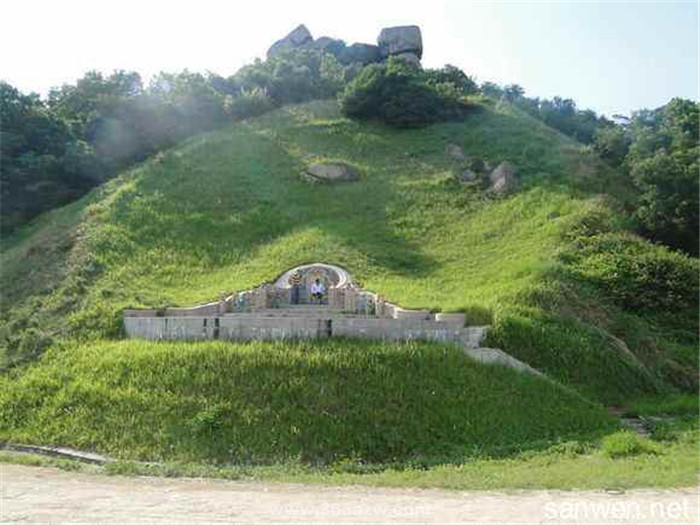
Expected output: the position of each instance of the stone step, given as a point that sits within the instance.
(305, 314)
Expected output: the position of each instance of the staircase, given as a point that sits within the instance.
(305, 311)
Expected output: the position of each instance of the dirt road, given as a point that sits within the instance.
(40, 495)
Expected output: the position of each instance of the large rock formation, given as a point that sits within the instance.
(403, 42)
(326, 43)
(299, 37)
(362, 53)
(399, 40)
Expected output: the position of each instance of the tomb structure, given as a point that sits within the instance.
(276, 310)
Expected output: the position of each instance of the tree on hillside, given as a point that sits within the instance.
(450, 74)
(401, 95)
(33, 146)
(663, 162)
(293, 76)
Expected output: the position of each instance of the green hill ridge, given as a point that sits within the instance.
(227, 211)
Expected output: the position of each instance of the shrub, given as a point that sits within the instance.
(33, 342)
(624, 444)
(400, 95)
(636, 274)
(249, 104)
(293, 76)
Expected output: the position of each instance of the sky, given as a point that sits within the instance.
(610, 56)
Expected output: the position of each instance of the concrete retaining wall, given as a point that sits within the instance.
(244, 328)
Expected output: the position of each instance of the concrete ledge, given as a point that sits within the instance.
(418, 315)
(499, 357)
(57, 452)
(457, 319)
(253, 327)
(205, 309)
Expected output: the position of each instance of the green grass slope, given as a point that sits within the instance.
(227, 211)
(273, 402)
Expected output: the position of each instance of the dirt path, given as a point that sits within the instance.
(40, 495)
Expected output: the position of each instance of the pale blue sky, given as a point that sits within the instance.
(609, 56)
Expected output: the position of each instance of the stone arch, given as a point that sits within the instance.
(333, 277)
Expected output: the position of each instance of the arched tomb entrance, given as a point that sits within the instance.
(275, 310)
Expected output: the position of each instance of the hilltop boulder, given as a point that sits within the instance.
(409, 58)
(299, 37)
(362, 53)
(503, 179)
(400, 39)
(325, 43)
(331, 172)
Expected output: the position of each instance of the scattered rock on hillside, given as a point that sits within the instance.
(400, 39)
(454, 151)
(468, 176)
(331, 172)
(477, 165)
(362, 53)
(503, 179)
(297, 38)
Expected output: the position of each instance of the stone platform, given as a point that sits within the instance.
(299, 323)
(282, 309)
(269, 312)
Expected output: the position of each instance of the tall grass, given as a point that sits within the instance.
(273, 402)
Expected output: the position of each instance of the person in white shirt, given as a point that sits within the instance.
(318, 291)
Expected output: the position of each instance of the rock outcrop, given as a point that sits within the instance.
(503, 179)
(454, 151)
(469, 176)
(400, 40)
(331, 172)
(403, 42)
(299, 37)
(410, 58)
(326, 43)
(362, 53)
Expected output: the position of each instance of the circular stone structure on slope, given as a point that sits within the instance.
(337, 276)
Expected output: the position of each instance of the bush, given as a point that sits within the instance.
(249, 104)
(293, 76)
(636, 274)
(400, 95)
(624, 444)
(33, 342)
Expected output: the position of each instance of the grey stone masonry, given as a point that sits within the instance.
(284, 309)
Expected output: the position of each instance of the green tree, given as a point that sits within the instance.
(400, 95)
(449, 74)
(663, 162)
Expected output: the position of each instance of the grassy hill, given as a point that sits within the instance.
(227, 210)
(319, 401)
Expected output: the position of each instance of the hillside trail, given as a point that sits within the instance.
(43, 495)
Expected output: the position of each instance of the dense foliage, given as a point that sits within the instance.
(664, 162)
(405, 96)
